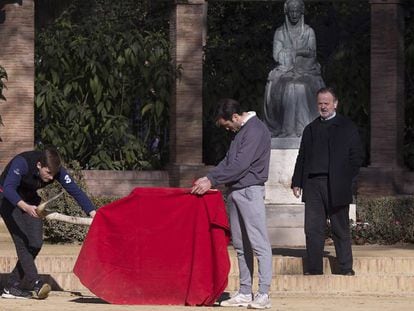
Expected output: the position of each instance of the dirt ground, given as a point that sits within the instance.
(65, 301)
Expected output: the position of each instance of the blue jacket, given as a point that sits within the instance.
(20, 181)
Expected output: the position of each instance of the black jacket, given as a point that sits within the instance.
(345, 159)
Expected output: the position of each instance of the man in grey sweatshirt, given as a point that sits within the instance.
(244, 170)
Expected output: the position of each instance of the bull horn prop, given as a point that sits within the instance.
(84, 221)
(45, 213)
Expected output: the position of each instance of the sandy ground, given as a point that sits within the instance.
(65, 301)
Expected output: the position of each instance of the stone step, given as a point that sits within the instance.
(324, 284)
(281, 265)
(3, 228)
(4, 233)
(5, 238)
(362, 265)
(374, 274)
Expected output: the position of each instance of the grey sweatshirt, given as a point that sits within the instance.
(247, 160)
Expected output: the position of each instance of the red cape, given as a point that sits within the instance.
(157, 246)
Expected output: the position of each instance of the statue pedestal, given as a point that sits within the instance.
(282, 164)
(285, 213)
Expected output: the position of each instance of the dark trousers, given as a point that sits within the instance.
(27, 234)
(317, 210)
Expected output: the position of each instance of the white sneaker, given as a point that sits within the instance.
(260, 301)
(237, 300)
(15, 293)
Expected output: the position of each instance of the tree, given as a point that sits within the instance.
(102, 86)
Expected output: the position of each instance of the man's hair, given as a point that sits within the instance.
(50, 158)
(227, 107)
(328, 89)
(289, 2)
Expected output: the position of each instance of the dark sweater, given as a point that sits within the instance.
(320, 152)
(247, 160)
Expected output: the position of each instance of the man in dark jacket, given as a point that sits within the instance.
(23, 176)
(329, 158)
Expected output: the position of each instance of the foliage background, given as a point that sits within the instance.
(95, 36)
(102, 85)
(3, 77)
(93, 53)
(384, 220)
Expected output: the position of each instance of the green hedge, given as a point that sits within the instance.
(385, 220)
(3, 76)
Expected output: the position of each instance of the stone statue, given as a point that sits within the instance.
(290, 96)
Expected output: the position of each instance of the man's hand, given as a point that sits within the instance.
(297, 192)
(92, 214)
(201, 186)
(29, 209)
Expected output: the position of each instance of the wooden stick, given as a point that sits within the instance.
(41, 208)
(52, 215)
(84, 221)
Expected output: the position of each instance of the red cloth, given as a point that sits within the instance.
(157, 246)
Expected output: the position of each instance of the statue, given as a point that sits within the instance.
(290, 95)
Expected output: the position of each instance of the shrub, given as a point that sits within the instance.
(3, 76)
(102, 88)
(385, 220)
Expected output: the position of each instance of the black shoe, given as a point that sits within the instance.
(311, 272)
(41, 290)
(15, 293)
(348, 272)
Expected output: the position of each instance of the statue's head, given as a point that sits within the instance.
(294, 9)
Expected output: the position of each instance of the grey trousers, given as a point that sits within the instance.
(249, 235)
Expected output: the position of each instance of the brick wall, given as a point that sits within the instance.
(386, 174)
(186, 108)
(17, 57)
(387, 83)
(186, 28)
(120, 183)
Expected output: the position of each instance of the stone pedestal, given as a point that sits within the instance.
(285, 224)
(285, 213)
(282, 164)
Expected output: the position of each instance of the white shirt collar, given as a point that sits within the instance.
(250, 114)
(331, 117)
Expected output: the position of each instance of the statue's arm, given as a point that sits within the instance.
(277, 48)
(309, 49)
